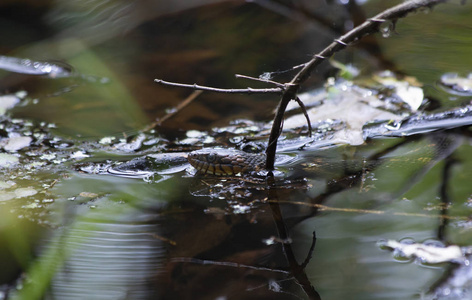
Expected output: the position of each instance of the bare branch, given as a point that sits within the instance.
(370, 26)
(177, 109)
(248, 90)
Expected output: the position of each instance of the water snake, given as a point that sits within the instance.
(407, 153)
(225, 161)
(331, 161)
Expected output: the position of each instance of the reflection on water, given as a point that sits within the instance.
(115, 260)
(113, 246)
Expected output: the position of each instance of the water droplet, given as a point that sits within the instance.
(386, 29)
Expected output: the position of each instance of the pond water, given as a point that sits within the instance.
(97, 198)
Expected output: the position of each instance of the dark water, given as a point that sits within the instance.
(79, 77)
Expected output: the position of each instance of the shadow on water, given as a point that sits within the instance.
(96, 207)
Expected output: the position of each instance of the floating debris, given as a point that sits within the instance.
(6, 184)
(25, 192)
(455, 285)
(355, 104)
(79, 155)
(348, 105)
(30, 67)
(406, 91)
(421, 123)
(7, 160)
(18, 193)
(107, 140)
(133, 145)
(88, 195)
(195, 136)
(7, 102)
(48, 156)
(13, 144)
(241, 209)
(457, 85)
(431, 254)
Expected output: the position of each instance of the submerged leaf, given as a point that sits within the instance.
(457, 85)
(348, 103)
(407, 91)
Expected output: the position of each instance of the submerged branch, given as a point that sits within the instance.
(370, 26)
(297, 270)
(224, 264)
(322, 207)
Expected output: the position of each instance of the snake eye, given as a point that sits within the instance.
(211, 157)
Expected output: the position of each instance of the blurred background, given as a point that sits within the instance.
(73, 72)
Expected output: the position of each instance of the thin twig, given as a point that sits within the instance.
(195, 86)
(322, 207)
(261, 80)
(370, 26)
(177, 109)
(224, 264)
(164, 239)
(268, 75)
(310, 252)
(302, 106)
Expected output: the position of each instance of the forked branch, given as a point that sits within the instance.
(290, 90)
(370, 26)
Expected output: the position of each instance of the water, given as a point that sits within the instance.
(83, 217)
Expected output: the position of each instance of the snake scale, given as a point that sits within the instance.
(226, 162)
